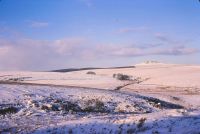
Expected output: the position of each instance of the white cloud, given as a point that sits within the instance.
(69, 45)
(4, 50)
(29, 54)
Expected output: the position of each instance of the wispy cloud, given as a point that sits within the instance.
(137, 51)
(180, 50)
(131, 30)
(38, 24)
(4, 50)
(163, 37)
(68, 45)
(88, 3)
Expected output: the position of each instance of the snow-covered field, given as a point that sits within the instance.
(166, 100)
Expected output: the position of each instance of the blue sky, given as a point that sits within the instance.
(52, 34)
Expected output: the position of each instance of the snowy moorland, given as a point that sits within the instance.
(158, 98)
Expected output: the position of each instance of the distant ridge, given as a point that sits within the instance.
(89, 68)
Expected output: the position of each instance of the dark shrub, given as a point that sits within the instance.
(8, 110)
(70, 106)
(122, 77)
(90, 72)
(95, 105)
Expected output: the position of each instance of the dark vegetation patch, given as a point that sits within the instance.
(29, 95)
(11, 130)
(120, 87)
(89, 106)
(162, 104)
(67, 106)
(18, 79)
(141, 122)
(131, 131)
(122, 77)
(64, 106)
(91, 73)
(93, 105)
(9, 108)
(175, 98)
(130, 80)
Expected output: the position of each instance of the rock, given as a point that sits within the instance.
(46, 107)
(29, 113)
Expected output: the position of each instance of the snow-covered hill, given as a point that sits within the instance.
(159, 98)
